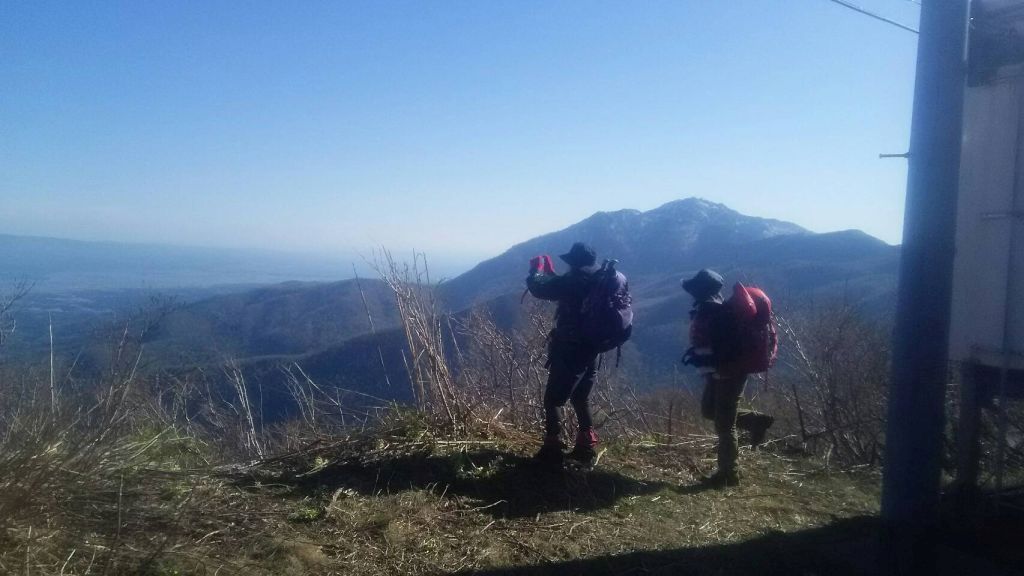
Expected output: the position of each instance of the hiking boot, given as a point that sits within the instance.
(720, 480)
(583, 454)
(585, 450)
(760, 431)
(550, 453)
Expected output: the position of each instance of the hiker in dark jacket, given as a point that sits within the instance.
(713, 347)
(571, 363)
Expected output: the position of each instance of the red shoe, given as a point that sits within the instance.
(585, 450)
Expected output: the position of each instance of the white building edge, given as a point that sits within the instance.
(987, 321)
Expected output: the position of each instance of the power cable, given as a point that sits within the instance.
(856, 8)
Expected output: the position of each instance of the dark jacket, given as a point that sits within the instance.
(569, 290)
(713, 334)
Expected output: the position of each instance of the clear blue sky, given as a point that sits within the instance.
(456, 127)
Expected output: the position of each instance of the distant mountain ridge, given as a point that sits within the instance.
(288, 318)
(676, 236)
(323, 325)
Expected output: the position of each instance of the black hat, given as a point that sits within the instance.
(580, 255)
(704, 284)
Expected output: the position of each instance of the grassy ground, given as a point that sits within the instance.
(405, 503)
(401, 501)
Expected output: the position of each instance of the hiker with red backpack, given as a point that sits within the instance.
(729, 340)
(593, 316)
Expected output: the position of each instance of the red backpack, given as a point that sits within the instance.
(757, 333)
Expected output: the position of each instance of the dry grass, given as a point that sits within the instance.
(404, 498)
(402, 501)
(137, 476)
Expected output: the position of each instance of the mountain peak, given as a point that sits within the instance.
(675, 236)
(693, 206)
(698, 209)
(695, 203)
(693, 211)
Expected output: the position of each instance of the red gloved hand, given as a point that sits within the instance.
(541, 265)
(547, 267)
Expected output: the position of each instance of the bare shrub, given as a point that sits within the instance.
(474, 374)
(502, 371)
(8, 324)
(834, 372)
(76, 489)
(65, 475)
(433, 384)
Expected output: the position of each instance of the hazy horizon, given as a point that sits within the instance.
(457, 129)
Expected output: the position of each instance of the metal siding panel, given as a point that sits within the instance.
(1015, 315)
(988, 174)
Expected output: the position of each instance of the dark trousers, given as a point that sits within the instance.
(720, 403)
(571, 370)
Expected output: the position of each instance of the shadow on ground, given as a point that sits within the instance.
(508, 485)
(849, 547)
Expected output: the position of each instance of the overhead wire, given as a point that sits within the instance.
(875, 15)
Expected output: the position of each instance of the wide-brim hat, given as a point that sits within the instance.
(580, 255)
(705, 283)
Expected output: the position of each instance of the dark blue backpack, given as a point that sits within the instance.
(607, 318)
